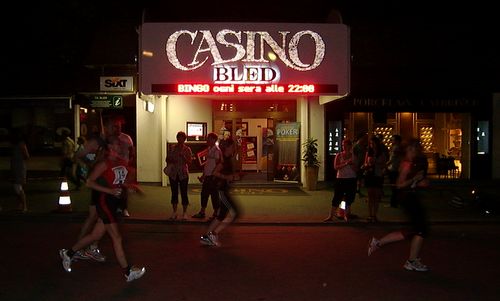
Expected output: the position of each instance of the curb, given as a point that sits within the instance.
(80, 217)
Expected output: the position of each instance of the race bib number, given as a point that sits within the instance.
(120, 174)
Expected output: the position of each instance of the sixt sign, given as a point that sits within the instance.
(117, 83)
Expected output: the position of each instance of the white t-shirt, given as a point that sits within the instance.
(126, 144)
(213, 157)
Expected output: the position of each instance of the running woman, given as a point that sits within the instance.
(92, 152)
(224, 173)
(110, 178)
(412, 177)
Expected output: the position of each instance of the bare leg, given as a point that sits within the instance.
(391, 237)
(21, 197)
(222, 225)
(332, 213)
(116, 237)
(89, 222)
(88, 239)
(213, 226)
(416, 245)
(174, 212)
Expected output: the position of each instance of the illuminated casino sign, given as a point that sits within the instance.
(243, 58)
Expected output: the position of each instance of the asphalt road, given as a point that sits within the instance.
(261, 263)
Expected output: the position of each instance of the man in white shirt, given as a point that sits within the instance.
(209, 186)
(113, 127)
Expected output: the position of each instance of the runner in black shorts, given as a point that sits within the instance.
(224, 174)
(92, 152)
(412, 178)
(110, 179)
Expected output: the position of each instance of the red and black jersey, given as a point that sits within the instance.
(115, 173)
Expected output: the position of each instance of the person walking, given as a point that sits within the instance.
(345, 183)
(412, 178)
(224, 173)
(178, 160)
(18, 159)
(208, 188)
(395, 157)
(109, 177)
(79, 168)
(359, 150)
(374, 167)
(67, 153)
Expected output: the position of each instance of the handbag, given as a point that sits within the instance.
(167, 170)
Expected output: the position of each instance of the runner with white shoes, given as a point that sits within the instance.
(224, 174)
(411, 179)
(109, 177)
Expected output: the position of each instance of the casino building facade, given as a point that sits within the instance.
(265, 85)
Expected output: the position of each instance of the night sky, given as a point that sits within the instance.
(397, 47)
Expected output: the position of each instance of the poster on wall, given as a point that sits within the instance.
(249, 152)
(287, 152)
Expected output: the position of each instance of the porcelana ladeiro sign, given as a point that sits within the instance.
(236, 58)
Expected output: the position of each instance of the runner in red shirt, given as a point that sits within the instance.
(110, 178)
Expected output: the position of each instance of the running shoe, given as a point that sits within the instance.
(80, 255)
(373, 245)
(415, 265)
(135, 273)
(95, 254)
(204, 239)
(66, 260)
(214, 238)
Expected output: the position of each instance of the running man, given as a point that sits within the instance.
(224, 174)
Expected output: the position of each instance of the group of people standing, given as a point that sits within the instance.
(365, 164)
(218, 173)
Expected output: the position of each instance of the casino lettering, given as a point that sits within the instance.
(245, 50)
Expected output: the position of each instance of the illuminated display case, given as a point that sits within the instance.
(426, 135)
(335, 136)
(386, 132)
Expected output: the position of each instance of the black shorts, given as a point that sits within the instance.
(106, 207)
(417, 215)
(374, 181)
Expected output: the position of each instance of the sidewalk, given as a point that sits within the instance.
(261, 204)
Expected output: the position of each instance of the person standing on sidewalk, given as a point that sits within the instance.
(178, 159)
(345, 183)
(18, 159)
(411, 179)
(374, 168)
(109, 177)
(208, 188)
(67, 153)
(359, 150)
(224, 174)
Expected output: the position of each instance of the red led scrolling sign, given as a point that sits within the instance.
(219, 89)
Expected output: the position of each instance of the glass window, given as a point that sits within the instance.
(483, 137)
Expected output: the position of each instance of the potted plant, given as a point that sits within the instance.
(310, 157)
